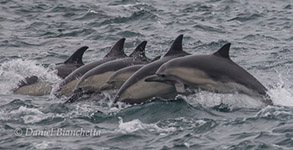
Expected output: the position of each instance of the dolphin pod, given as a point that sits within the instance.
(215, 72)
(67, 85)
(95, 79)
(34, 86)
(101, 73)
(138, 79)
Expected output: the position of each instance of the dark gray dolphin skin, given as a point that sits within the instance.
(34, 86)
(72, 63)
(136, 90)
(216, 73)
(68, 84)
(93, 80)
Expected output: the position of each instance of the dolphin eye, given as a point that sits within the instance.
(162, 75)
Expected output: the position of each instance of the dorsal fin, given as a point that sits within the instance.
(28, 81)
(223, 51)
(117, 49)
(76, 57)
(139, 51)
(176, 46)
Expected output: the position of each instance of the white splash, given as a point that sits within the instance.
(82, 110)
(11, 72)
(279, 112)
(210, 99)
(29, 115)
(42, 145)
(136, 124)
(281, 94)
(35, 115)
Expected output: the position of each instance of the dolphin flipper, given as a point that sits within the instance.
(180, 87)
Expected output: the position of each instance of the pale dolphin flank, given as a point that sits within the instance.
(136, 90)
(67, 85)
(116, 80)
(93, 80)
(34, 86)
(216, 73)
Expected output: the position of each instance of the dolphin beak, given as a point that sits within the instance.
(153, 78)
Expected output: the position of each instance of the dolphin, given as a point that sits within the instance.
(136, 90)
(34, 86)
(94, 80)
(215, 72)
(67, 85)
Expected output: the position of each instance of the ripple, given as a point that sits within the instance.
(136, 16)
(253, 37)
(130, 34)
(208, 28)
(246, 17)
(272, 112)
(92, 14)
(76, 32)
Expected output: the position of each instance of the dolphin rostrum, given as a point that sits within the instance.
(136, 90)
(215, 72)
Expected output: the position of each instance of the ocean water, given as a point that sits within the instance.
(35, 35)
